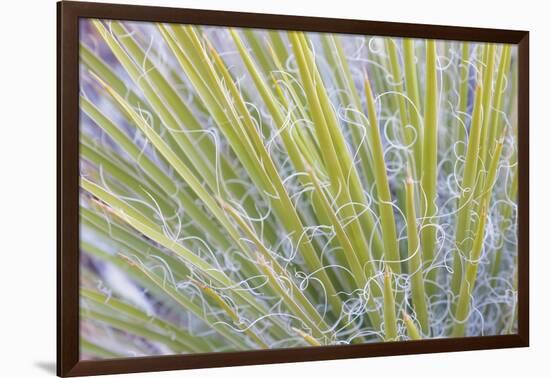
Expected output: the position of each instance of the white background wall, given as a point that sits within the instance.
(27, 186)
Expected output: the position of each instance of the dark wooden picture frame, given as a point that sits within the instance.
(68, 13)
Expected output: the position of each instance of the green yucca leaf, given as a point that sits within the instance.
(467, 285)
(385, 206)
(310, 340)
(415, 107)
(89, 347)
(488, 72)
(429, 161)
(504, 66)
(259, 52)
(468, 190)
(395, 66)
(463, 99)
(415, 261)
(412, 330)
(390, 320)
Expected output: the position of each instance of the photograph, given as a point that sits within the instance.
(249, 189)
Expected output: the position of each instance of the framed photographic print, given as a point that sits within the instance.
(239, 188)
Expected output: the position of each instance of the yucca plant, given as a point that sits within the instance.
(248, 189)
